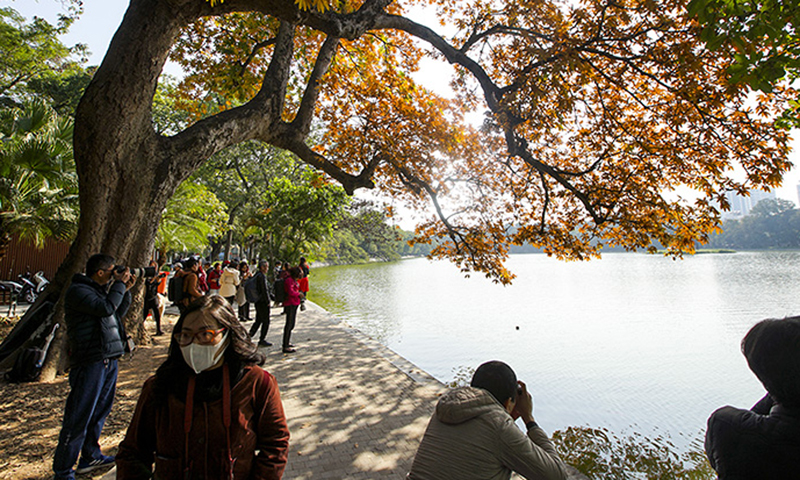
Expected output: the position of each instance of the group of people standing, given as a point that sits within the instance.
(228, 279)
(210, 410)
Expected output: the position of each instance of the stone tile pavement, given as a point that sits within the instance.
(355, 409)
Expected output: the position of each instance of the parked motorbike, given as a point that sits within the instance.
(41, 282)
(13, 289)
(28, 293)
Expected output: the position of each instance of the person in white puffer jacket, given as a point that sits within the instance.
(472, 434)
(228, 282)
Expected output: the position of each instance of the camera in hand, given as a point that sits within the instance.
(146, 272)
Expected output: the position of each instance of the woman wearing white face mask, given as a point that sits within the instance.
(209, 407)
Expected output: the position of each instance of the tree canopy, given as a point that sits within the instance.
(599, 116)
(596, 115)
(763, 40)
(34, 60)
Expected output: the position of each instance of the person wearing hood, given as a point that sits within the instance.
(763, 442)
(94, 306)
(472, 434)
(210, 411)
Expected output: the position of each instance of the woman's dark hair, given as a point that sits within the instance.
(294, 272)
(241, 350)
(189, 263)
(772, 349)
(498, 379)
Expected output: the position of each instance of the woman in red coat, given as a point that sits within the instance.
(209, 408)
(290, 305)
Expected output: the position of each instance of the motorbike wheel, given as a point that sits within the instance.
(29, 296)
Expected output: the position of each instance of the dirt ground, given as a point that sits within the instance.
(31, 413)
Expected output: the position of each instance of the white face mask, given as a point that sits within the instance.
(203, 357)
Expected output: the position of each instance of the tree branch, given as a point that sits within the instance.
(305, 114)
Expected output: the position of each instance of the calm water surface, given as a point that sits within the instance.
(631, 342)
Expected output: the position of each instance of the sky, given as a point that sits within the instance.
(101, 18)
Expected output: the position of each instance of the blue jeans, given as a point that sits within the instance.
(91, 395)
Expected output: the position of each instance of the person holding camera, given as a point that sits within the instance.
(151, 297)
(472, 434)
(94, 306)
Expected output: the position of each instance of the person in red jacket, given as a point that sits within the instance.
(213, 279)
(209, 411)
(290, 305)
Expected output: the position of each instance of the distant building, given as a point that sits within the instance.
(798, 193)
(741, 205)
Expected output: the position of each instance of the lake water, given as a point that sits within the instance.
(631, 342)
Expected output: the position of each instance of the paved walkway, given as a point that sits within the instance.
(356, 410)
(352, 413)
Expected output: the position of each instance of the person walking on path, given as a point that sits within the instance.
(241, 298)
(262, 305)
(202, 283)
(210, 411)
(151, 297)
(191, 284)
(228, 282)
(472, 434)
(213, 279)
(303, 282)
(290, 305)
(93, 313)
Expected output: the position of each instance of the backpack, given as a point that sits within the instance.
(251, 290)
(27, 366)
(175, 289)
(280, 291)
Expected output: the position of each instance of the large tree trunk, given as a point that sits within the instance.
(125, 174)
(127, 171)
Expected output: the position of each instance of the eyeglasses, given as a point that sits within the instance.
(203, 337)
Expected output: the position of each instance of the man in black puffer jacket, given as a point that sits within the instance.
(93, 312)
(763, 443)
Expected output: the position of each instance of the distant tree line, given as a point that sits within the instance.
(771, 224)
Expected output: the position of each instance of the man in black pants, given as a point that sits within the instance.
(262, 305)
(94, 306)
(151, 298)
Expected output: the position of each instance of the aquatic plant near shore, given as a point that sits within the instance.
(601, 455)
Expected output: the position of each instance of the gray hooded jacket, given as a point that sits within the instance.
(471, 436)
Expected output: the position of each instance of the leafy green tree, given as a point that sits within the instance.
(38, 184)
(297, 216)
(192, 215)
(763, 38)
(772, 223)
(367, 223)
(240, 177)
(35, 61)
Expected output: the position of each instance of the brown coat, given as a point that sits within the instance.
(191, 290)
(156, 435)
